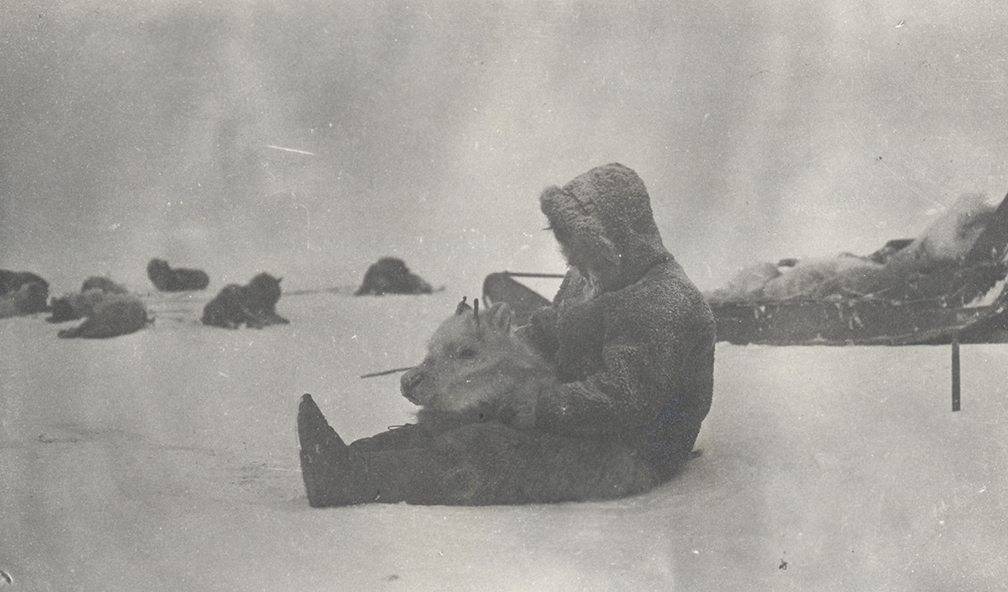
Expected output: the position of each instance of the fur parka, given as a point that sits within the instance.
(631, 337)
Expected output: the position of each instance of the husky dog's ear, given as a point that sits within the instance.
(462, 307)
(500, 317)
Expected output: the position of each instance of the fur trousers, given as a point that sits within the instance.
(476, 464)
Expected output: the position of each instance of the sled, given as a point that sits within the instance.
(868, 320)
(963, 300)
(523, 301)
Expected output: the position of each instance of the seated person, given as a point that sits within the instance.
(632, 342)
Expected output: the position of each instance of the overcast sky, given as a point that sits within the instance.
(427, 130)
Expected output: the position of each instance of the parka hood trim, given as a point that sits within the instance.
(604, 223)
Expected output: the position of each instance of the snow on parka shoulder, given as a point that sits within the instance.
(631, 337)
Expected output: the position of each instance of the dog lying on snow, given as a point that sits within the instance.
(252, 305)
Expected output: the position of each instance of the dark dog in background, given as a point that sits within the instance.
(167, 279)
(252, 305)
(23, 292)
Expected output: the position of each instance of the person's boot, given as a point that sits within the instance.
(324, 456)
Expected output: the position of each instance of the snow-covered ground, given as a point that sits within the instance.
(167, 460)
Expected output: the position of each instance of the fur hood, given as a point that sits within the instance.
(604, 224)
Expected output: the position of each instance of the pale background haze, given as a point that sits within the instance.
(760, 131)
